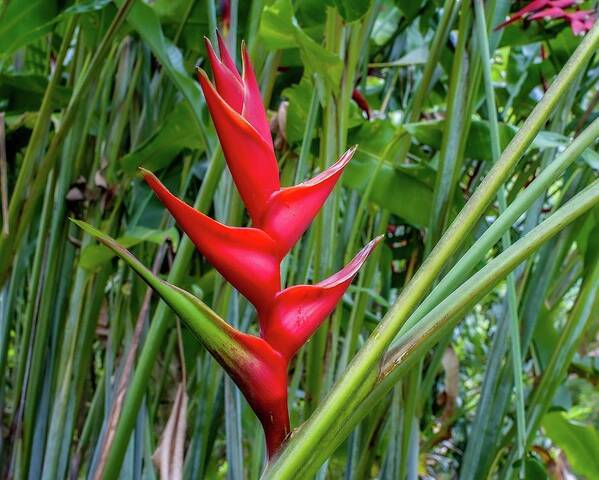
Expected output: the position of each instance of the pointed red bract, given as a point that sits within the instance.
(580, 21)
(253, 106)
(246, 257)
(299, 310)
(250, 158)
(548, 14)
(228, 84)
(226, 57)
(291, 210)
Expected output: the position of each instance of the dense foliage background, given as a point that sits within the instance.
(91, 90)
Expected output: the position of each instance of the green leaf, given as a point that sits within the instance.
(318, 60)
(352, 10)
(396, 189)
(579, 442)
(212, 330)
(178, 131)
(93, 256)
(22, 92)
(279, 29)
(385, 24)
(478, 144)
(410, 9)
(276, 26)
(146, 22)
(417, 56)
(24, 21)
(535, 470)
(299, 96)
(592, 158)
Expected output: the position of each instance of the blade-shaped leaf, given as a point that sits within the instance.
(213, 331)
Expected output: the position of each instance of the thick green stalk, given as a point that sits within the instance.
(481, 29)
(522, 202)
(306, 440)
(474, 255)
(418, 340)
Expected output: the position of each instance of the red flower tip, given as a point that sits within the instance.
(299, 310)
(290, 210)
(240, 92)
(246, 257)
(253, 106)
(548, 14)
(250, 158)
(228, 82)
(226, 56)
(361, 101)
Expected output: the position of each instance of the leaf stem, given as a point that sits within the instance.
(481, 30)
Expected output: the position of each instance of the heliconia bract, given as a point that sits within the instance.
(249, 257)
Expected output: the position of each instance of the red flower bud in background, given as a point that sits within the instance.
(249, 257)
(361, 101)
(580, 21)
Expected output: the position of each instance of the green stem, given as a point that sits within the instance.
(481, 29)
(158, 331)
(302, 163)
(437, 324)
(307, 440)
(474, 255)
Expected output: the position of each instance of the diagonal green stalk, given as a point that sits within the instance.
(307, 439)
(437, 324)
(475, 254)
(470, 259)
(481, 30)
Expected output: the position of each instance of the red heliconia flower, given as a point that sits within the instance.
(580, 21)
(250, 257)
(535, 6)
(262, 377)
